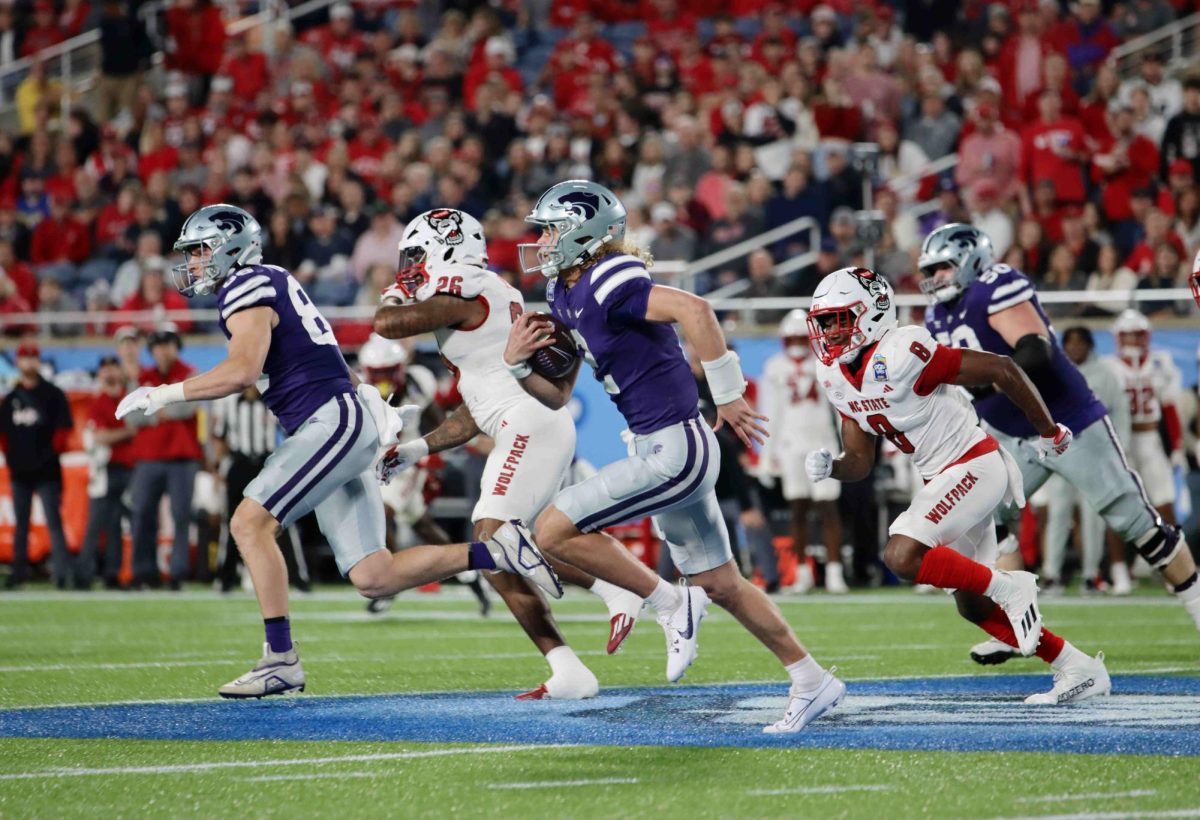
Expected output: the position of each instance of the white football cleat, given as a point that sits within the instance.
(806, 706)
(577, 684)
(623, 611)
(835, 582)
(1077, 681)
(513, 550)
(276, 673)
(1122, 584)
(804, 580)
(1019, 603)
(682, 628)
(378, 606)
(992, 652)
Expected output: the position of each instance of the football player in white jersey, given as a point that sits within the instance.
(801, 420)
(385, 364)
(1152, 382)
(444, 286)
(899, 383)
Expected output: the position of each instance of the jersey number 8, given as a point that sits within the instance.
(310, 317)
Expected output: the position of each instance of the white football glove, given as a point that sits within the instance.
(393, 295)
(818, 465)
(398, 458)
(148, 400)
(1053, 446)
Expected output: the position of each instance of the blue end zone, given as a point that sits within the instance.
(1151, 715)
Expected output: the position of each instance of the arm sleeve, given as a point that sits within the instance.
(942, 369)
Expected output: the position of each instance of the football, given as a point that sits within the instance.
(556, 360)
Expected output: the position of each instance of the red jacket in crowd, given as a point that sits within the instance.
(169, 439)
(1049, 152)
(103, 416)
(60, 240)
(1119, 184)
(199, 35)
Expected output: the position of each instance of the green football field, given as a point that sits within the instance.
(108, 708)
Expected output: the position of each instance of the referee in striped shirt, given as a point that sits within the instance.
(245, 432)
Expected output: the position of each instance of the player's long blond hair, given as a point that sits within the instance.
(571, 275)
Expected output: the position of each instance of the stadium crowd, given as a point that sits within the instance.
(714, 121)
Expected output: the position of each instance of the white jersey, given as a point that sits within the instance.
(800, 416)
(476, 354)
(1149, 384)
(905, 393)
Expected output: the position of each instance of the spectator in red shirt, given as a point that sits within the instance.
(991, 152)
(247, 69)
(1020, 63)
(74, 17)
(109, 446)
(339, 43)
(497, 63)
(584, 47)
(669, 26)
(1123, 163)
(1093, 109)
(154, 297)
(44, 32)
(11, 301)
(168, 456)
(1158, 232)
(18, 273)
(115, 218)
(1055, 77)
(198, 34)
(155, 155)
(1054, 149)
(60, 238)
(1047, 211)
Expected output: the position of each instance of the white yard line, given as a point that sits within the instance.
(559, 784)
(270, 778)
(1058, 798)
(865, 787)
(1110, 815)
(196, 768)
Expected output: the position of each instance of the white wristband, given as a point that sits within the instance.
(169, 394)
(725, 378)
(420, 448)
(520, 370)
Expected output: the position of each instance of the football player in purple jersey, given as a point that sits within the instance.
(599, 288)
(979, 303)
(279, 342)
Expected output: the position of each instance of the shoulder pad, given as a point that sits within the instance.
(466, 281)
(1003, 286)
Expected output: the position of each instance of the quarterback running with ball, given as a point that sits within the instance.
(899, 383)
(279, 342)
(599, 288)
(444, 287)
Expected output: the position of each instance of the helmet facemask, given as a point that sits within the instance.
(411, 273)
(198, 274)
(545, 256)
(834, 333)
(941, 283)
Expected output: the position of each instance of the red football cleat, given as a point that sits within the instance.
(620, 625)
(541, 693)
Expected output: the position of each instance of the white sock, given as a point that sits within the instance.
(1120, 573)
(805, 673)
(665, 598)
(1069, 653)
(605, 590)
(563, 660)
(998, 587)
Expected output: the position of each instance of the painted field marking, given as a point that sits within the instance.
(270, 778)
(559, 784)
(1057, 798)
(865, 787)
(1110, 815)
(195, 768)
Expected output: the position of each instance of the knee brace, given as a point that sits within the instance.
(1160, 545)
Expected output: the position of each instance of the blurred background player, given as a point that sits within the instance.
(385, 364)
(801, 420)
(899, 383)
(444, 286)
(984, 305)
(599, 288)
(279, 340)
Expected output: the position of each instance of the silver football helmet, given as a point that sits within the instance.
(580, 216)
(965, 249)
(214, 241)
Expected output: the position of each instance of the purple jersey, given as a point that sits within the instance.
(964, 322)
(640, 363)
(304, 367)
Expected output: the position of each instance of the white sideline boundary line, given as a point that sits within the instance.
(559, 784)
(220, 765)
(1056, 798)
(865, 787)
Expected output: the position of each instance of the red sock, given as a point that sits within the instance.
(1050, 647)
(999, 627)
(944, 568)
